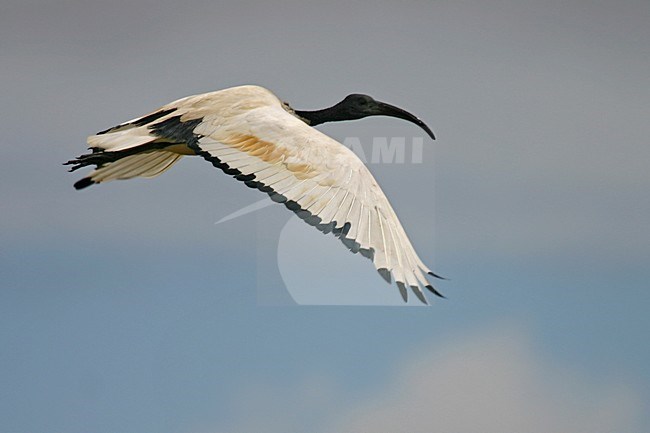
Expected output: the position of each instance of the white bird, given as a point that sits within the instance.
(252, 135)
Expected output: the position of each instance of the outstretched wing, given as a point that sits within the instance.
(320, 180)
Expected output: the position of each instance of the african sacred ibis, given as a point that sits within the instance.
(249, 133)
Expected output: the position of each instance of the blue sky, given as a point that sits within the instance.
(125, 308)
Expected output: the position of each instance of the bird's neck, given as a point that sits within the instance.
(331, 114)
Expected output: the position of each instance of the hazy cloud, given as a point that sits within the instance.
(492, 382)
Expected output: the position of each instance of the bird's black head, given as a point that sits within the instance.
(358, 106)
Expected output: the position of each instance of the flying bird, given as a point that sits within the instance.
(250, 134)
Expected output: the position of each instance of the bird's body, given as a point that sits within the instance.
(250, 134)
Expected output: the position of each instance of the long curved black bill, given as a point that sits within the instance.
(392, 111)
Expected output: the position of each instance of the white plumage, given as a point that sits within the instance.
(250, 134)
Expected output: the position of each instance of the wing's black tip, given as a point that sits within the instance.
(402, 291)
(385, 274)
(84, 183)
(419, 294)
(435, 292)
(437, 276)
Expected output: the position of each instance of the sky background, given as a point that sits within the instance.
(124, 308)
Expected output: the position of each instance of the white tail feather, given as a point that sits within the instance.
(148, 164)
